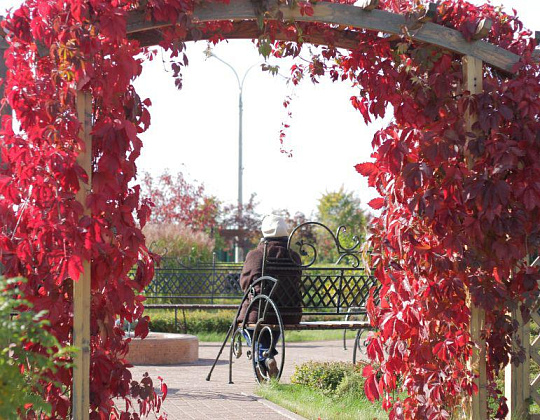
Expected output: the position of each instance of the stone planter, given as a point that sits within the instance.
(163, 349)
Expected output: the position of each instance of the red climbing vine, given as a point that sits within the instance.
(459, 210)
(56, 49)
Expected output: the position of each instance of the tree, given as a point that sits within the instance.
(335, 209)
(175, 200)
(342, 208)
(292, 221)
(178, 244)
(242, 222)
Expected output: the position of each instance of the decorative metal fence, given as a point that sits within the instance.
(337, 287)
(208, 282)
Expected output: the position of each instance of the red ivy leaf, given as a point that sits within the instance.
(376, 203)
(371, 388)
(360, 105)
(75, 267)
(369, 170)
(141, 330)
(367, 371)
(164, 390)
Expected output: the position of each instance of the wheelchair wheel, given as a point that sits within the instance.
(238, 341)
(268, 341)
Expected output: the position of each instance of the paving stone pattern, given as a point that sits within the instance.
(192, 397)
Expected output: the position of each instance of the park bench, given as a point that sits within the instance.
(333, 297)
(182, 286)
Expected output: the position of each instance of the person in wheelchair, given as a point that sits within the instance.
(273, 256)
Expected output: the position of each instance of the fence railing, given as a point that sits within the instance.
(181, 283)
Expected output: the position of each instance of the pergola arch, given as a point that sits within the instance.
(347, 19)
(347, 23)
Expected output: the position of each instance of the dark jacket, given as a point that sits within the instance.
(287, 293)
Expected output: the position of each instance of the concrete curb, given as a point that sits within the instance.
(277, 408)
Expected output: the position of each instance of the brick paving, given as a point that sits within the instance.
(192, 397)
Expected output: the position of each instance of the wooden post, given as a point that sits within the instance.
(473, 75)
(81, 288)
(516, 378)
(518, 388)
(6, 109)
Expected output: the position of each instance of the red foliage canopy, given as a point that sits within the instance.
(57, 48)
(175, 200)
(446, 228)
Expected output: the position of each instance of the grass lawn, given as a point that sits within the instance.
(313, 404)
(290, 336)
(212, 326)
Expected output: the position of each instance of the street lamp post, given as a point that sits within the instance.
(238, 257)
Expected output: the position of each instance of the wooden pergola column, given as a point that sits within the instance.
(473, 76)
(6, 110)
(516, 377)
(81, 288)
(519, 390)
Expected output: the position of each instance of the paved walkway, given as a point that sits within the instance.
(192, 397)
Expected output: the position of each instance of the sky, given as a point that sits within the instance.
(195, 130)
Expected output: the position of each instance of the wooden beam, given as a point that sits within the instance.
(82, 287)
(345, 16)
(6, 109)
(483, 28)
(477, 365)
(367, 4)
(250, 30)
(518, 388)
(473, 76)
(517, 385)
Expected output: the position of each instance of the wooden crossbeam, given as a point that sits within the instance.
(368, 4)
(535, 317)
(535, 345)
(536, 357)
(482, 29)
(536, 397)
(536, 382)
(339, 15)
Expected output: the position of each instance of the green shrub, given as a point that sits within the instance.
(217, 321)
(326, 376)
(352, 385)
(20, 392)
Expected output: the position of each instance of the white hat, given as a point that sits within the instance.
(274, 226)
